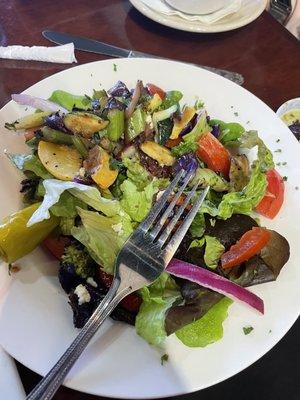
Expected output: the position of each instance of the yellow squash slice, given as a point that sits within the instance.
(63, 162)
(186, 117)
(159, 153)
(103, 175)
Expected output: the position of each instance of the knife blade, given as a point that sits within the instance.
(95, 46)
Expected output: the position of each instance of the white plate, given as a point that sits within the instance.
(249, 11)
(36, 321)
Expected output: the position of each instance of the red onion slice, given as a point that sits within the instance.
(135, 98)
(38, 103)
(211, 280)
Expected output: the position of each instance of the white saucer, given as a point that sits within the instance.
(250, 10)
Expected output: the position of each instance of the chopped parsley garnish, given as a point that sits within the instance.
(247, 329)
(278, 140)
(164, 359)
(278, 151)
(297, 187)
(115, 67)
(236, 113)
(285, 178)
(284, 163)
(278, 164)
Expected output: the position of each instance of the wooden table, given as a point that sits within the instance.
(264, 52)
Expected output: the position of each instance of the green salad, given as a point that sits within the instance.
(95, 166)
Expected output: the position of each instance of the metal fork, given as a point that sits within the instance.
(143, 258)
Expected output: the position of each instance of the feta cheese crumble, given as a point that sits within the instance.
(91, 281)
(82, 294)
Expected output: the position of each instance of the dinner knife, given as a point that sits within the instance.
(94, 46)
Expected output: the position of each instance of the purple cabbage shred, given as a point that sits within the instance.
(119, 90)
(188, 162)
(216, 131)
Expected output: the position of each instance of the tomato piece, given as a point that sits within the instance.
(246, 247)
(213, 153)
(29, 133)
(56, 245)
(132, 302)
(173, 142)
(271, 203)
(153, 89)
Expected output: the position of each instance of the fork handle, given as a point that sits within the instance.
(48, 386)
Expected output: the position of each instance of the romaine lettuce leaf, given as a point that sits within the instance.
(69, 101)
(103, 236)
(197, 227)
(54, 188)
(92, 197)
(157, 300)
(207, 329)
(136, 172)
(245, 201)
(67, 206)
(140, 176)
(213, 251)
(66, 225)
(136, 203)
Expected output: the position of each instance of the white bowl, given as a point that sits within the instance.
(287, 106)
(197, 6)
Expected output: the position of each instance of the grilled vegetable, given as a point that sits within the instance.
(85, 124)
(239, 173)
(159, 153)
(187, 116)
(63, 162)
(154, 103)
(136, 124)
(251, 243)
(29, 121)
(115, 127)
(54, 136)
(80, 145)
(98, 166)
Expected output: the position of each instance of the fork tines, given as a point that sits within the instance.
(161, 223)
